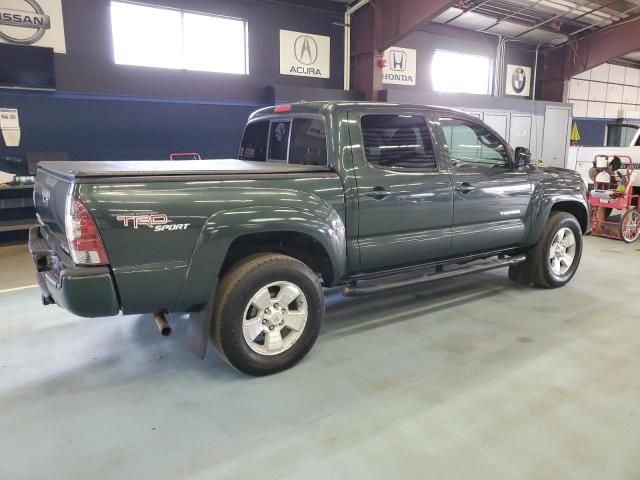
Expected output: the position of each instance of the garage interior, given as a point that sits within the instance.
(467, 377)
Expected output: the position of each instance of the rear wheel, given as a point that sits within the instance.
(268, 314)
(630, 226)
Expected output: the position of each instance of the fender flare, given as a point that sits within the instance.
(218, 233)
(541, 213)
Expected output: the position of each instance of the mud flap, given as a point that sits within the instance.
(198, 329)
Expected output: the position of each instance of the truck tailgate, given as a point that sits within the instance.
(50, 198)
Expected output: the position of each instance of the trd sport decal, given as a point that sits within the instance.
(158, 222)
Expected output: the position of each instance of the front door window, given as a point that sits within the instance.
(472, 144)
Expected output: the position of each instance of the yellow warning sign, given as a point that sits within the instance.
(575, 133)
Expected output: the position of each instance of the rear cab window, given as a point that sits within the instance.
(254, 142)
(299, 141)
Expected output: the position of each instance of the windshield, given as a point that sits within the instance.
(621, 135)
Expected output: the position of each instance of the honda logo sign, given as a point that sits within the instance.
(398, 60)
(304, 55)
(400, 66)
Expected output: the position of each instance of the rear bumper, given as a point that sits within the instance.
(84, 291)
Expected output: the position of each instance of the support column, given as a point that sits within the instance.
(365, 32)
(379, 25)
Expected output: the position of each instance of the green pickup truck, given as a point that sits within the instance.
(366, 196)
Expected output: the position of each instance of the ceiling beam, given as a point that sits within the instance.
(600, 47)
(402, 17)
(580, 55)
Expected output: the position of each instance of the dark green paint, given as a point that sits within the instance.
(424, 221)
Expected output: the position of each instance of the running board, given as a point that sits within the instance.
(355, 290)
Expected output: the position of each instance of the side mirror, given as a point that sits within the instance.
(523, 157)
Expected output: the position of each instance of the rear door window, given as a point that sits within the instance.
(398, 141)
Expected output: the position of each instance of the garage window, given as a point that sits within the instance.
(461, 73)
(168, 38)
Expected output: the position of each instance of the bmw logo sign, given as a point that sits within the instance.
(518, 80)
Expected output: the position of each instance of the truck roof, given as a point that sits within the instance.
(322, 107)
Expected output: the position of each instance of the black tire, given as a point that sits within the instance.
(542, 274)
(234, 293)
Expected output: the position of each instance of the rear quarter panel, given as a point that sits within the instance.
(176, 270)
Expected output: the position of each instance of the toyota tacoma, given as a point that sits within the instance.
(369, 197)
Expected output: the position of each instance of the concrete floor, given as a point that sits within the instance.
(470, 378)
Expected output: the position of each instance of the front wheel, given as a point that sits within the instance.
(557, 255)
(555, 258)
(268, 314)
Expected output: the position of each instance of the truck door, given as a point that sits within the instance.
(405, 203)
(491, 196)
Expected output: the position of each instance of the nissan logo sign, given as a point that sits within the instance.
(33, 20)
(306, 50)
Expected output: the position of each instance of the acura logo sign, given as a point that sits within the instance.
(304, 54)
(306, 50)
(33, 20)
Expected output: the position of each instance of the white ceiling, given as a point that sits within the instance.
(635, 57)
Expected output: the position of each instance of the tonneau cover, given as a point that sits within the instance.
(169, 168)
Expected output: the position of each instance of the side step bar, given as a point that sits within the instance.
(355, 289)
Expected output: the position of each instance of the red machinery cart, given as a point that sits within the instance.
(627, 225)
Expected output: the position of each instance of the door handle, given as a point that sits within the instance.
(378, 193)
(464, 187)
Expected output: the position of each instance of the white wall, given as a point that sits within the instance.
(606, 91)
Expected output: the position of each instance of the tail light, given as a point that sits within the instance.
(85, 244)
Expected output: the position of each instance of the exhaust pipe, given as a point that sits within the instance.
(162, 323)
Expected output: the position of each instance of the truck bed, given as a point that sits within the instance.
(163, 168)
